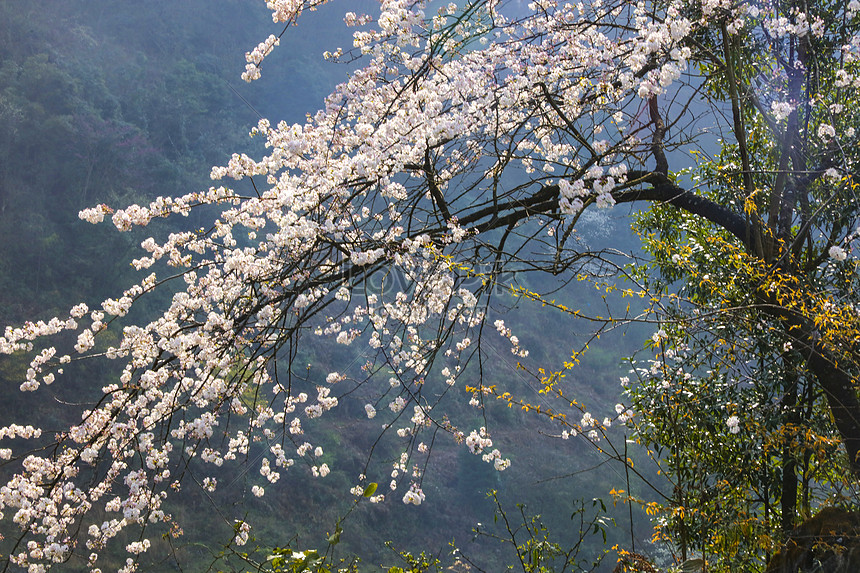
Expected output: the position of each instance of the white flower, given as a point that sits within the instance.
(837, 253)
(93, 214)
(414, 496)
(343, 337)
(832, 175)
(398, 404)
(78, 311)
(243, 531)
(734, 424)
(781, 110)
(605, 200)
(85, 341)
(826, 132)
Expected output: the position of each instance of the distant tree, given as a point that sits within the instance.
(468, 145)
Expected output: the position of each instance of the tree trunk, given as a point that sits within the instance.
(841, 395)
(837, 382)
(788, 496)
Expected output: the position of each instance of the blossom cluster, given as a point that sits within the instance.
(478, 441)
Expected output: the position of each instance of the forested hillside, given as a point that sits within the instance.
(88, 116)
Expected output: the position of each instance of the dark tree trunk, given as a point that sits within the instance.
(834, 376)
(838, 386)
(788, 497)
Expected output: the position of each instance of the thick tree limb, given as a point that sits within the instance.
(664, 190)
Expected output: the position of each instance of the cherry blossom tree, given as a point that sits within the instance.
(465, 147)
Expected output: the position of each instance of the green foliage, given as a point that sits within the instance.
(724, 353)
(285, 560)
(538, 550)
(421, 563)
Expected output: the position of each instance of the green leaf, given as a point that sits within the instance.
(370, 489)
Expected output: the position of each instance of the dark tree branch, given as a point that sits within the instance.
(430, 172)
(664, 190)
(657, 139)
